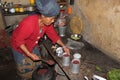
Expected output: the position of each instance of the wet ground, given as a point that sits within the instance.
(93, 62)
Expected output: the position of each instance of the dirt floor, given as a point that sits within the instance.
(93, 62)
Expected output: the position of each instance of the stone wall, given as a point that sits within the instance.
(101, 24)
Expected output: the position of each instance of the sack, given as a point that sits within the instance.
(44, 72)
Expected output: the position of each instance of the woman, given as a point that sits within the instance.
(26, 36)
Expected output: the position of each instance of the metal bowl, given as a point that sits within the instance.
(76, 36)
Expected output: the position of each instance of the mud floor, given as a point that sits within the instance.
(93, 62)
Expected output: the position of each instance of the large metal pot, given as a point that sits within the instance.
(44, 72)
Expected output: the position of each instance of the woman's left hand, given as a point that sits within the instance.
(66, 49)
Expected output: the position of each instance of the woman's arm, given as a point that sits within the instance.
(66, 49)
(31, 55)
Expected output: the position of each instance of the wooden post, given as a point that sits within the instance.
(2, 26)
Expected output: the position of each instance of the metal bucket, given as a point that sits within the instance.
(44, 72)
(62, 30)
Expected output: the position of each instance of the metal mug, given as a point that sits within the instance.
(59, 51)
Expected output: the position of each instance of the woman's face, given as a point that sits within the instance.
(47, 20)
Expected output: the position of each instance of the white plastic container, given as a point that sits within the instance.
(77, 56)
(96, 77)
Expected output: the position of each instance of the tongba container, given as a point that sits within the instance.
(66, 59)
(75, 66)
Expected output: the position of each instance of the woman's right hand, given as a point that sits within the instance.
(31, 55)
(34, 57)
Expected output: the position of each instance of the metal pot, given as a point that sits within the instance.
(44, 72)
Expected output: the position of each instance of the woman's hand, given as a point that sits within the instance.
(31, 55)
(66, 49)
(34, 57)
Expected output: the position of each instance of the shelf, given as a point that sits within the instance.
(62, 3)
(17, 13)
(25, 12)
(5, 10)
